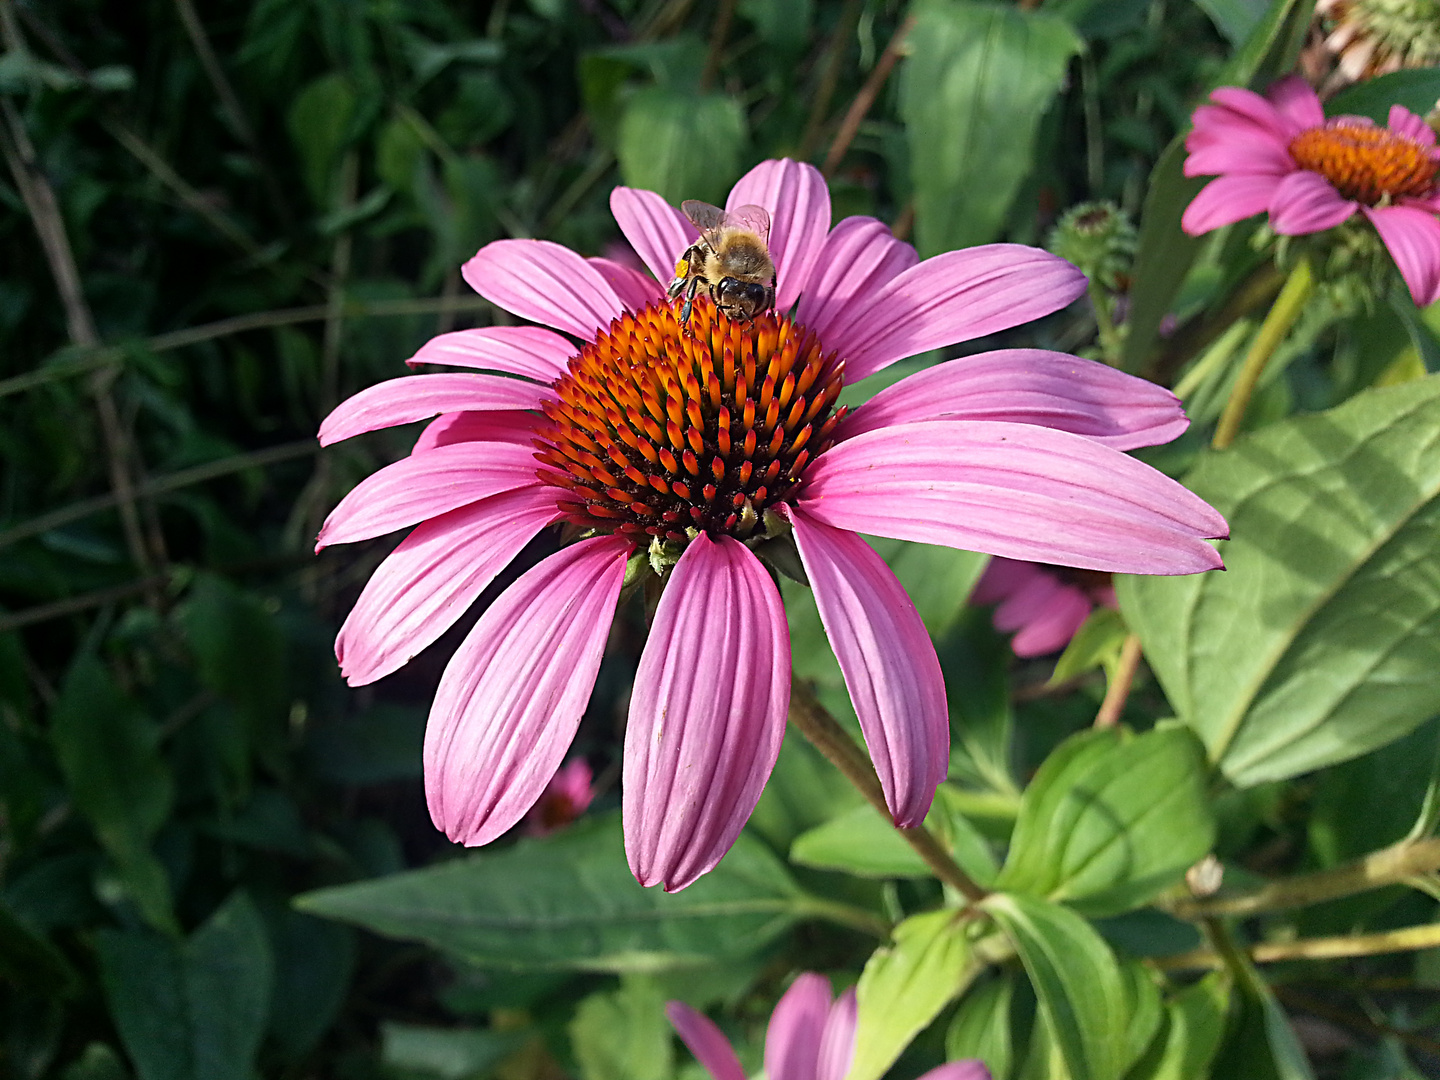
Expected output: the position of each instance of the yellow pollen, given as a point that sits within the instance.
(1365, 163)
(660, 430)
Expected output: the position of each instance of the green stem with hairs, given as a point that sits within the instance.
(1286, 310)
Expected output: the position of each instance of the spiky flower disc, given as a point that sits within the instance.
(1365, 162)
(661, 429)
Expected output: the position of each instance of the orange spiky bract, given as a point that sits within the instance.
(661, 428)
(1365, 163)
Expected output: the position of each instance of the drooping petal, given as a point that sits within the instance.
(1027, 601)
(1305, 202)
(888, 661)
(1256, 109)
(859, 256)
(792, 1041)
(799, 203)
(969, 1069)
(425, 486)
(657, 231)
(531, 351)
(1227, 200)
(1015, 490)
(1030, 386)
(706, 1042)
(837, 1045)
(1217, 124)
(546, 283)
(1000, 578)
(435, 574)
(419, 397)
(502, 425)
(707, 713)
(1051, 629)
(1412, 237)
(513, 694)
(1405, 122)
(1297, 102)
(1235, 155)
(636, 290)
(955, 296)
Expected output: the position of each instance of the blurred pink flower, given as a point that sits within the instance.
(809, 1038)
(1042, 605)
(1279, 154)
(708, 437)
(564, 799)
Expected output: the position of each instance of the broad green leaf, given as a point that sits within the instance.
(782, 24)
(981, 1027)
(569, 901)
(194, 1010)
(1319, 642)
(1259, 1043)
(445, 1053)
(1417, 89)
(624, 1034)
(313, 963)
(319, 122)
(106, 748)
(863, 842)
(1164, 253)
(1194, 1025)
(803, 792)
(1111, 819)
(97, 1062)
(28, 960)
(906, 984)
(1077, 981)
(683, 145)
(972, 92)
(1143, 1006)
(1096, 644)
(1236, 19)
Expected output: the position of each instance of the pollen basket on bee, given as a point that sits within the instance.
(660, 428)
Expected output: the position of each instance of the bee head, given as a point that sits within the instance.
(742, 299)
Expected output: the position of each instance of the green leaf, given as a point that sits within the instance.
(1097, 643)
(445, 1053)
(803, 791)
(905, 985)
(1259, 1043)
(981, 1027)
(313, 962)
(1195, 1023)
(1417, 89)
(28, 960)
(106, 748)
(972, 92)
(319, 121)
(194, 1010)
(97, 1062)
(1236, 19)
(861, 841)
(1077, 981)
(1143, 1007)
(683, 145)
(623, 1034)
(1319, 643)
(569, 901)
(1111, 819)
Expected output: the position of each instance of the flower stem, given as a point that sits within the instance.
(1286, 309)
(1110, 343)
(1406, 939)
(867, 922)
(822, 729)
(1394, 865)
(1118, 689)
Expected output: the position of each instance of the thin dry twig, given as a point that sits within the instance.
(719, 31)
(835, 53)
(866, 97)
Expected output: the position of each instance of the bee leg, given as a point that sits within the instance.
(689, 305)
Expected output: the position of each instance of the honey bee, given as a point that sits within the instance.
(731, 261)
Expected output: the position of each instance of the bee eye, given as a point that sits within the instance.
(755, 292)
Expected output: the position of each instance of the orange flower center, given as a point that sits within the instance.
(1365, 163)
(662, 429)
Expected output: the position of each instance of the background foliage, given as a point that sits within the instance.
(265, 203)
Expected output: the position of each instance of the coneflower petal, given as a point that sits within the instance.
(513, 694)
(531, 351)
(798, 200)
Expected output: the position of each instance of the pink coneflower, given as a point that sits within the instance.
(686, 448)
(1042, 605)
(1279, 153)
(809, 1038)
(564, 799)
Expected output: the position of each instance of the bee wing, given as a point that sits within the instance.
(703, 216)
(753, 218)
